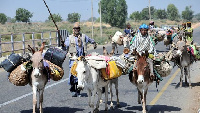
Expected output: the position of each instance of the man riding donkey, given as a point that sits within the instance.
(129, 31)
(189, 32)
(143, 42)
(76, 45)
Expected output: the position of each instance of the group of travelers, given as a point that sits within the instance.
(140, 41)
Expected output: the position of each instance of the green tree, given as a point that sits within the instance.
(74, 17)
(145, 13)
(197, 16)
(56, 17)
(114, 12)
(135, 16)
(12, 20)
(172, 12)
(188, 13)
(23, 15)
(3, 18)
(90, 19)
(161, 14)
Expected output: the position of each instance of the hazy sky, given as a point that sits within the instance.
(83, 7)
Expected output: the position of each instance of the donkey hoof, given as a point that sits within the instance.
(106, 109)
(118, 105)
(144, 111)
(101, 101)
(190, 86)
(96, 110)
(111, 107)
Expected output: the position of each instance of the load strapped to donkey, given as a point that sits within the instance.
(20, 68)
(111, 67)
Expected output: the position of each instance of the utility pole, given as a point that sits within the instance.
(100, 19)
(149, 11)
(92, 21)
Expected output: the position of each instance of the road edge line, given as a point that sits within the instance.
(152, 103)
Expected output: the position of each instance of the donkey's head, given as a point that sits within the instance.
(142, 71)
(82, 70)
(37, 61)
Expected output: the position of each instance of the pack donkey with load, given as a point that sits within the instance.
(35, 71)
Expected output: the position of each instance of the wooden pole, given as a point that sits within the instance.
(100, 19)
(92, 21)
(149, 11)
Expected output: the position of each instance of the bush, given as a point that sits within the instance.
(38, 36)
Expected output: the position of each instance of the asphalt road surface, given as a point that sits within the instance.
(167, 97)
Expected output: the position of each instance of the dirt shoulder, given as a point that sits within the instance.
(196, 25)
(193, 99)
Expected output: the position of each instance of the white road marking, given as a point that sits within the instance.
(28, 94)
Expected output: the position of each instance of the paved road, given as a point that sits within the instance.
(57, 98)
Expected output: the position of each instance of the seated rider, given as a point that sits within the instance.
(143, 42)
(128, 30)
(189, 32)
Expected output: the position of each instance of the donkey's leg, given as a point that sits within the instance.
(116, 87)
(113, 48)
(144, 93)
(188, 73)
(41, 99)
(106, 97)
(111, 94)
(34, 98)
(125, 41)
(181, 77)
(89, 97)
(139, 96)
(92, 100)
(99, 91)
(116, 47)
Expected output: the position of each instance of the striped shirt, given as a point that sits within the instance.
(142, 44)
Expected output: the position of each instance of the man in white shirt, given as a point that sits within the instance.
(143, 42)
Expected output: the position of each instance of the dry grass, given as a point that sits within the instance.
(86, 28)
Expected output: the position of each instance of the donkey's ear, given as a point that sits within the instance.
(42, 46)
(31, 49)
(84, 60)
(138, 55)
(146, 54)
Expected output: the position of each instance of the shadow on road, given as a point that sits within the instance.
(56, 110)
(155, 108)
(177, 85)
(163, 109)
(117, 109)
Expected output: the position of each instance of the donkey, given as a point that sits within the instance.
(141, 78)
(90, 78)
(38, 77)
(184, 64)
(119, 39)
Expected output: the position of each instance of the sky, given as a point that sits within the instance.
(83, 7)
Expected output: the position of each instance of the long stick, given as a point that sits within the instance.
(62, 42)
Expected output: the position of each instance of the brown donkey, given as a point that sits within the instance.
(38, 77)
(141, 78)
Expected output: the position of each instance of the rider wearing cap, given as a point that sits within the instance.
(143, 42)
(76, 45)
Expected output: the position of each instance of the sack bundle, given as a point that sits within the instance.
(56, 72)
(164, 69)
(11, 62)
(20, 75)
(112, 71)
(55, 56)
